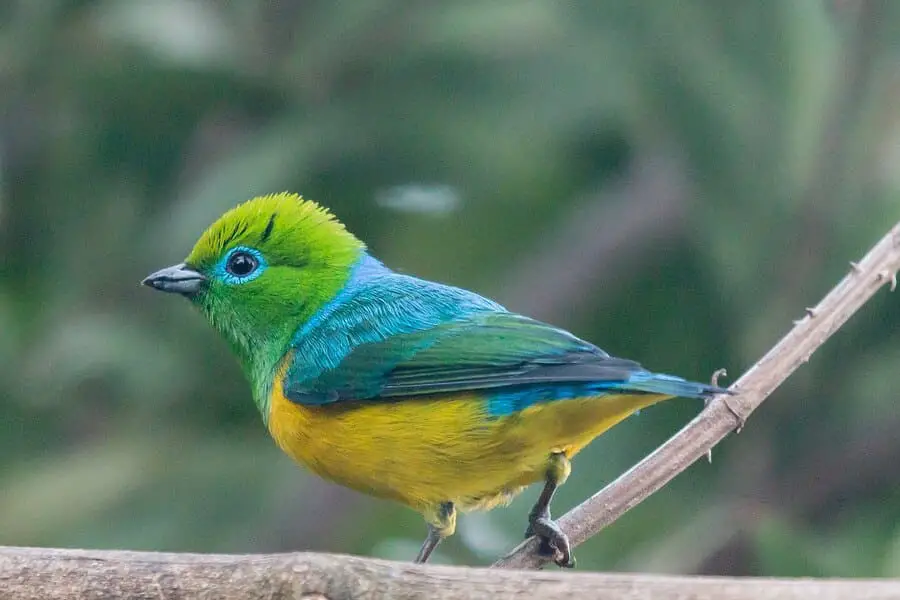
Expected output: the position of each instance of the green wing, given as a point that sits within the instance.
(479, 351)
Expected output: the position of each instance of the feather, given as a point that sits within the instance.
(388, 336)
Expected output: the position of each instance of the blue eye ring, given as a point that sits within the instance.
(240, 265)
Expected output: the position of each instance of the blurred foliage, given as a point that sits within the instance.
(700, 171)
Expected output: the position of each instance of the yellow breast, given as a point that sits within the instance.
(425, 451)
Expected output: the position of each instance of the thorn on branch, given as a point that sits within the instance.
(714, 381)
(855, 268)
(887, 276)
(810, 313)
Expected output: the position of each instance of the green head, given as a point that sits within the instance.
(260, 272)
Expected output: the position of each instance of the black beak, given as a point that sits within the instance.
(177, 279)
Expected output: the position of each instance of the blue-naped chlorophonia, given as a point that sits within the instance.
(398, 387)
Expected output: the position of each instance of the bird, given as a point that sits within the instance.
(398, 387)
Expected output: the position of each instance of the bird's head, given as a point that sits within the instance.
(262, 270)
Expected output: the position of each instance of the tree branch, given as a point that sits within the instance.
(50, 574)
(726, 413)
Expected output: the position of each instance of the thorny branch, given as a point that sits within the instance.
(727, 413)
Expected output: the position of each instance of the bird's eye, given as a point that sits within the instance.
(241, 264)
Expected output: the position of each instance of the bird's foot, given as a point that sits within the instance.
(554, 543)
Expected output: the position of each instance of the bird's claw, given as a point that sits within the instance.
(554, 542)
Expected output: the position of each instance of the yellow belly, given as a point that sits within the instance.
(422, 452)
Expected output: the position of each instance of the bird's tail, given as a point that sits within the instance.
(669, 385)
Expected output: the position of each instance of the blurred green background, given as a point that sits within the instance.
(674, 181)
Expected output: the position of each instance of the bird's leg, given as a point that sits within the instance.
(553, 541)
(431, 542)
(441, 524)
